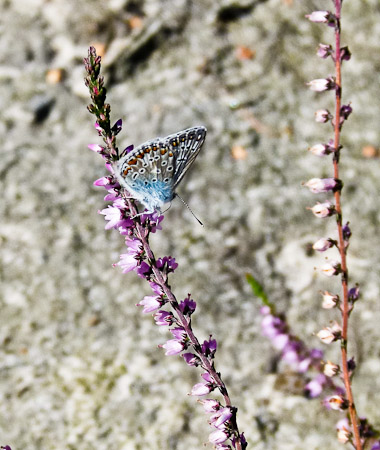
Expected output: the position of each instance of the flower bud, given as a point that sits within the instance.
(330, 369)
(321, 149)
(218, 437)
(345, 111)
(331, 268)
(323, 244)
(344, 431)
(324, 51)
(330, 334)
(336, 402)
(322, 84)
(319, 185)
(322, 116)
(323, 210)
(173, 347)
(345, 54)
(329, 300)
(321, 17)
(353, 294)
(200, 389)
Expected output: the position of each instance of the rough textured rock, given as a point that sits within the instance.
(80, 367)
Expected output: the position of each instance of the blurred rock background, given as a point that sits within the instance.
(79, 364)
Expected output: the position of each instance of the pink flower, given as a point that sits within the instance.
(173, 347)
(323, 210)
(322, 84)
(329, 300)
(322, 115)
(218, 437)
(210, 405)
(113, 215)
(336, 402)
(150, 303)
(330, 369)
(200, 389)
(330, 334)
(331, 268)
(127, 262)
(319, 185)
(323, 244)
(344, 430)
(95, 147)
(324, 51)
(222, 416)
(321, 17)
(321, 149)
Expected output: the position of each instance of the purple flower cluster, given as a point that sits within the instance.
(297, 355)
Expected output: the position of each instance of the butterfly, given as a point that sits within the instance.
(152, 171)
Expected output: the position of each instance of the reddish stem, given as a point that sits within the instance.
(206, 364)
(341, 245)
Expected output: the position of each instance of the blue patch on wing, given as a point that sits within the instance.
(153, 194)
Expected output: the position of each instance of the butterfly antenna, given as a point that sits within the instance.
(188, 207)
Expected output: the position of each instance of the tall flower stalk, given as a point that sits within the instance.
(338, 332)
(123, 215)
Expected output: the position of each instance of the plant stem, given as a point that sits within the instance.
(341, 245)
(206, 364)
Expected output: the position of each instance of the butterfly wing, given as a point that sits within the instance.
(185, 145)
(147, 173)
(153, 170)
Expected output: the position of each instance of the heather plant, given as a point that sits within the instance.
(332, 379)
(320, 375)
(136, 227)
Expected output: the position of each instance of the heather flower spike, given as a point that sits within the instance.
(346, 432)
(122, 215)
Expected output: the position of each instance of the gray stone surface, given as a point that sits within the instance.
(79, 364)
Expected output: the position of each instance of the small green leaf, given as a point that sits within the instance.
(258, 290)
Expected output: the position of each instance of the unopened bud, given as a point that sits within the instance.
(331, 268)
(321, 149)
(344, 431)
(345, 54)
(336, 402)
(324, 51)
(330, 369)
(330, 334)
(322, 84)
(323, 244)
(329, 300)
(322, 116)
(321, 17)
(323, 210)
